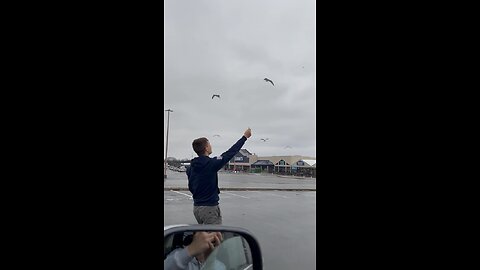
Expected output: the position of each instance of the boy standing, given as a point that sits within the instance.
(203, 178)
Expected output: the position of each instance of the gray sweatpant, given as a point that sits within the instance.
(208, 214)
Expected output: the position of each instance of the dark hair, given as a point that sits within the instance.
(188, 238)
(199, 146)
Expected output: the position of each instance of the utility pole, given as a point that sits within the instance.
(166, 147)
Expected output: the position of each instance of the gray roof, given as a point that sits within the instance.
(311, 162)
(245, 152)
(262, 162)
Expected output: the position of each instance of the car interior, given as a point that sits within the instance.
(231, 242)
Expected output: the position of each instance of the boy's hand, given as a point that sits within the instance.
(247, 133)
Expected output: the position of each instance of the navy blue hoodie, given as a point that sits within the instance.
(203, 177)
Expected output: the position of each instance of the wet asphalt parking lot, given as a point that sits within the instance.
(283, 221)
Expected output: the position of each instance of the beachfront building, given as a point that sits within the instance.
(283, 164)
(305, 167)
(241, 161)
(262, 165)
(244, 161)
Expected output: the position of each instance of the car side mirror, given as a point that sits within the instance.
(239, 249)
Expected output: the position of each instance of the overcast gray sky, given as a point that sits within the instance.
(228, 48)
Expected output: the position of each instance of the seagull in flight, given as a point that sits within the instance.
(266, 139)
(216, 135)
(215, 95)
(268, 80)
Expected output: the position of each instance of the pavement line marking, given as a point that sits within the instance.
(278, 195)
(235, 195)
(181, 193)
(263, 192)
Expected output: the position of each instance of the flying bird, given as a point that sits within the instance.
(268, 80)
(216, 135)
(215, 96)
(266, 139)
